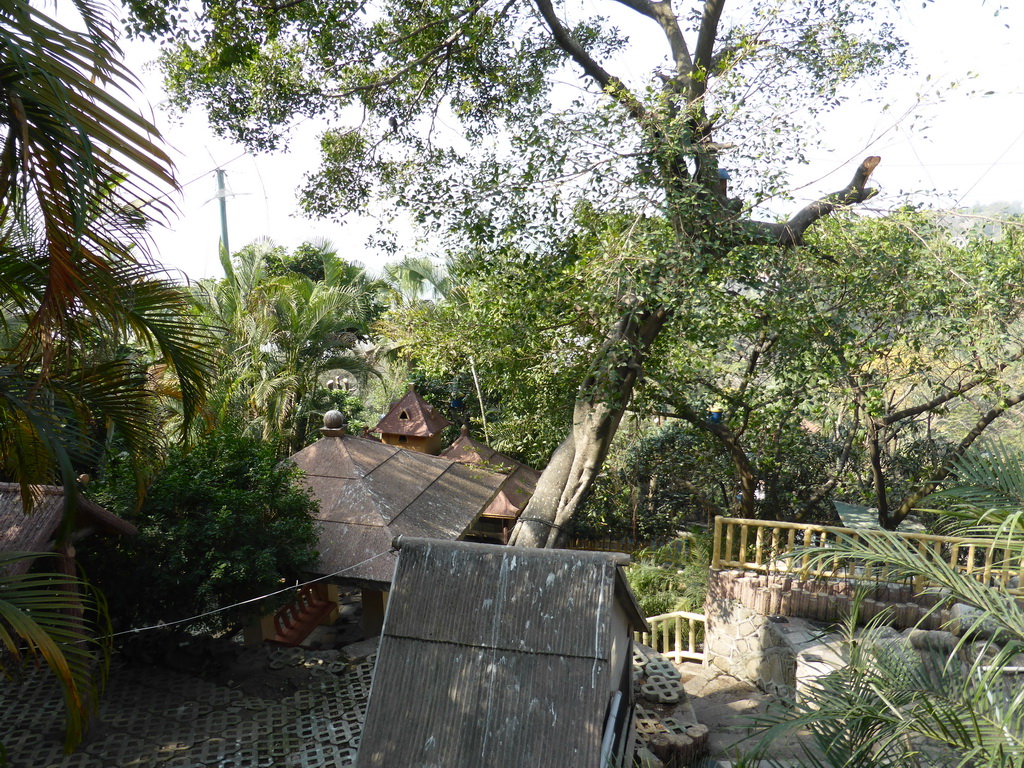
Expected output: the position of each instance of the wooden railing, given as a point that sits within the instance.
(679, 635)
(765, 546)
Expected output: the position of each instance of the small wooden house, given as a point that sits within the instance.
(503, 657)
(412, 423)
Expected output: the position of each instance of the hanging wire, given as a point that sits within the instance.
(165, 625)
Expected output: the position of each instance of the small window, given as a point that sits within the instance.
(403, 415)
(403, 439)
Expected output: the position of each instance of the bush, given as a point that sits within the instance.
(220, 524)
(673, 577)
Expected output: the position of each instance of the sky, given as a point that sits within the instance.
(966, 148)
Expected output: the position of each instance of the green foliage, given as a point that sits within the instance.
(945, 705)
(512, 316)
(513, 163)
(673, 577)
(221, 523)
(282, 337)
(985, 496)
(83, 313)
(598, 210)
(62, 620)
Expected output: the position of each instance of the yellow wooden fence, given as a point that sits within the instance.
(764, 546)
(678, 635)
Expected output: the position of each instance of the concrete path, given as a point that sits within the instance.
(729, 708)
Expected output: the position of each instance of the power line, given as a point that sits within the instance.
(165, 625)
(987, 170)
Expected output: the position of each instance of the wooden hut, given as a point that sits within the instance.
(505, 657)
(412, 423)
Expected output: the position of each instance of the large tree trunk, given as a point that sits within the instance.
(602, 400)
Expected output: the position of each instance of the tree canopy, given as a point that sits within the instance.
(525, 123)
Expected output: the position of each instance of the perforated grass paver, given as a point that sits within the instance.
(662, 690)
(153, 718)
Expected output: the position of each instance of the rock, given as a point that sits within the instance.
(966, 619)
(932, 640)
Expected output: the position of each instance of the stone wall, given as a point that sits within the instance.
(777, 654)
(741, 642)
(779, 594)
(762, 627)
(777, 632)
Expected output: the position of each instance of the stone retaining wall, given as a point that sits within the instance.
(759, 625)
(778, 594)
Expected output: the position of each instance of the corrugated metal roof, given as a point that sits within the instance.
(496, 656)
(369, 492)
(458, 707)
(412, 415)
(32, 532)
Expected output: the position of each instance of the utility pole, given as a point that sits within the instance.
(222, 196)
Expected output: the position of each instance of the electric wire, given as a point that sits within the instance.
(291, 587)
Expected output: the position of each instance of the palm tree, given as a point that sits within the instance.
(282, 335)
(415, 279)
(76, 290)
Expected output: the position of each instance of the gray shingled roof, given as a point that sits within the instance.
(33, 532)
(496, 656)
(515, 493)
(369, 493)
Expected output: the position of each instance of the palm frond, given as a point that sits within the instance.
(58, 619)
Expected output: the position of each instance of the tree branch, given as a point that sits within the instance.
(952, 394)
(571, 46)
(643, 7)
(790, 233)
(825, 489)
(666, 18)
(704, 52)
(947, 466)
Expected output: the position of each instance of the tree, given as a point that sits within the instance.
(741, 84)
(221, 523)
(511, 325)
(76, 286)
(893, 342)
(926, 352)
(281, 335)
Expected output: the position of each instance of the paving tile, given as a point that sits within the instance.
(318, 756)
(35, 755)
(214, 749)
(662, 668)
(183, 761)
(662, 690)
(79, 760)
(153, 718)
(244, 758)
